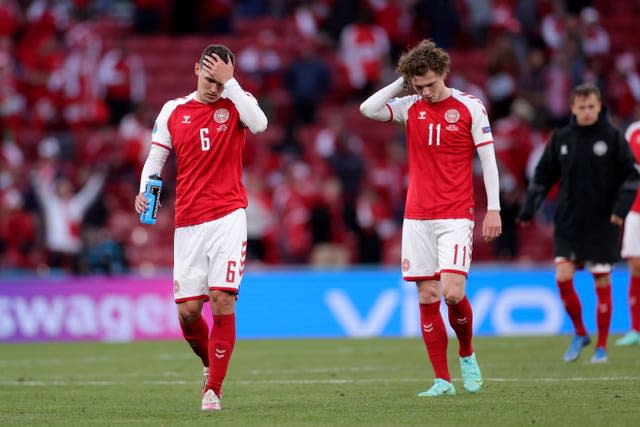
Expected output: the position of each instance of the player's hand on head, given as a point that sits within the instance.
(218, 69)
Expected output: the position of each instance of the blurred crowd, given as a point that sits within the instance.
(81, 83)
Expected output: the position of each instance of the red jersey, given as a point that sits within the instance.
(441, 139)
(633, 136)
(208, 141)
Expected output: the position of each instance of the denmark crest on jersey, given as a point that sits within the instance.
(221, 115)
(452, 116)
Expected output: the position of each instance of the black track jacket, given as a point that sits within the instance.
(597, 177)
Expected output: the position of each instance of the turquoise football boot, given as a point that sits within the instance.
(440, 387)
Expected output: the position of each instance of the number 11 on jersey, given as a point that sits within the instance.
(438, 127)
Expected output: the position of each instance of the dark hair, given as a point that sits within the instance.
(222, 51)
(585, 90)
(424, 57)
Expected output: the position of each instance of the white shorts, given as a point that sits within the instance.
(431, 247)
(631, 237)
(209, 256)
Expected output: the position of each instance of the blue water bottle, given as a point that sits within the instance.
(152, 194)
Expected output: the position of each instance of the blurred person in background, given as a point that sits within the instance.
(63, 211)
(75, 83)
(261, 223)
(594, 166)
(17, 232)
(364, 50)
(206, 130)
(631, 245)
(122, 79)
(308, 80)
(10, 18)
(594, 38)
(348, 166)
(12, 102)
(443, 129)
(262, 62)
(292, 198)
(556, 25)
(102, 254)
(624, 87)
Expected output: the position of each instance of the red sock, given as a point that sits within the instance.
(634, 302)
(221, 344)
(603, 315)
(435, 338)
(461, 320)
(572, 305)
(196, 333)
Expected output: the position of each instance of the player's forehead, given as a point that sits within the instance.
(586, 100)
(426, 79)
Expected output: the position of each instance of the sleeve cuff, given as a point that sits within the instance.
(232, 82)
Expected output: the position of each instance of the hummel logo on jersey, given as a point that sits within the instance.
(220, 353)
(422, 115)
(428, 327)
(462, 321)
(186, 119)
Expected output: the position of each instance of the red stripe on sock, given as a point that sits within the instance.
(435, 339)
(461, 320)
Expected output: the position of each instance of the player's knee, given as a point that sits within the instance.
(453, 297)
(602, 280)
(453, 286)
(222, 302)
(189, 312)
(564, 272)
(428, 294)
(634, 267)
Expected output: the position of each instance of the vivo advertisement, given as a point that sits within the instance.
(293, 304)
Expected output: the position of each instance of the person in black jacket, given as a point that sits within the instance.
(597, 185)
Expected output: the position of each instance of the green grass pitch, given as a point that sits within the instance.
(350, 382)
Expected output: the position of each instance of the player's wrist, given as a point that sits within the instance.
(401, 84)
(231, 82)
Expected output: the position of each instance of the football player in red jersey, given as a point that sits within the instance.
(631, 247)
(206, 130)
(443, 129)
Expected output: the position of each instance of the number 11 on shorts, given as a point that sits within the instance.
(461, 255)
